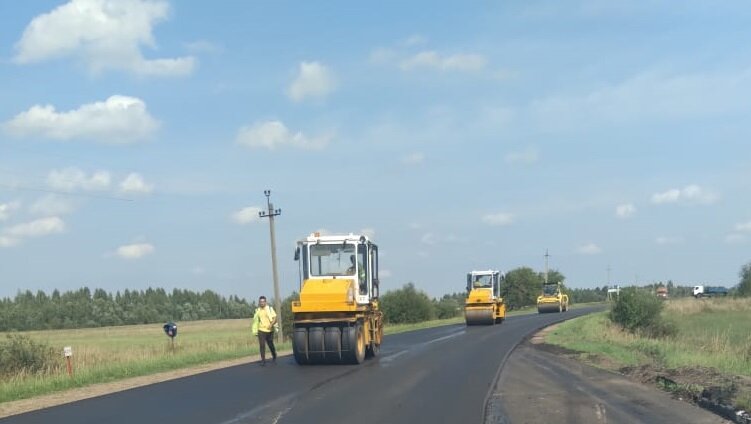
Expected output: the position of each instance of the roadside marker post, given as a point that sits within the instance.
(68, 353)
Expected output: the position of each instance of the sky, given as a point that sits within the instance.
(137, 139)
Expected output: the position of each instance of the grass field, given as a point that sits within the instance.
(712, 334)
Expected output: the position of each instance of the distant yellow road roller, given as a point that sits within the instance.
(484, 304)
(552, 299)
(337, 319)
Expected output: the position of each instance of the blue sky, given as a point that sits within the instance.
(137, 137)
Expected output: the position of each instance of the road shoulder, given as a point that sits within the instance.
(542, 386)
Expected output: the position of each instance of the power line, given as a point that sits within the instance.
(64, 193)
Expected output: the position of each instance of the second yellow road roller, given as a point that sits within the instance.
(484, 304)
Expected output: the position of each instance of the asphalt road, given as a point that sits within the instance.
(441, 375)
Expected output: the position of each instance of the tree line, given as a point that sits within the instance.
(82, 308)
(408, 304)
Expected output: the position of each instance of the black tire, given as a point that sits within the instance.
(300, 346)
(372, 350)
(332, 340)
(315, 345)
(353, 345)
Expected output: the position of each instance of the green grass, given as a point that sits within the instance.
(712, 333)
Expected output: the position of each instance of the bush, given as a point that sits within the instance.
(407, 305)
(21, 354)
(639, 311)
(447, 307)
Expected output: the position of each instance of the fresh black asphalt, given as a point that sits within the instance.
(440, 375)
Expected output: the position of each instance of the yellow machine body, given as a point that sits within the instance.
(483, 305)
(337, 319)
(552, 299)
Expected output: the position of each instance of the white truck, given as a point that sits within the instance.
(707, 291)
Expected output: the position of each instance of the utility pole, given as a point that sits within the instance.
(546, 266)
(270, 213)
(608, 275)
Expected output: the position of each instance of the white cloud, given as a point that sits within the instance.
(246, 215)
(415, 40)
(7, 208)
(735, 238)
(645, 98)
(416, 158)
(525, 157)
(743, 226)
(625, 210)
(432, 239)
(103, 34)
(435, 60)
(670, 196)
(384, 273)
(134, 251)
(134, 183)
(689, 194)
(37, 228)
(117, 120)
(668, 240)
(368, 232)
(6, 241)
(498, 219)
(313, 80)
(273, 134)
(429, 239)
(52, 204)
(71, 179)
(198, 270)
(589, 249)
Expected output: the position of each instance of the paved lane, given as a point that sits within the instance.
(441, 374)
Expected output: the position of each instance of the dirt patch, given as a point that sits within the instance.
(706, 387)
(95, 390)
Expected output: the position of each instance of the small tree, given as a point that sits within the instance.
(407, 305)
(521, 287)
(639, 311)
(744, 287)
(287, 314)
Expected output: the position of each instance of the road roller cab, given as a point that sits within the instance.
(337, 319)
(552, 299)
(484, 304)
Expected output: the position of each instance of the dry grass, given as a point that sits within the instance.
(713, 333)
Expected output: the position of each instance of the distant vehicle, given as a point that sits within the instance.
(662, 292)
(552, 299)
(707, 291)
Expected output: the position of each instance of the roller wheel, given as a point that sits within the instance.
(300, 346)
(315, 345)
(332, 340)
(353, 344)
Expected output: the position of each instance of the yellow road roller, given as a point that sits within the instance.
(484, 304)
(337, 319)
(552, 299)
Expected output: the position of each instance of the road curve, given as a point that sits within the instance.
(441, 374)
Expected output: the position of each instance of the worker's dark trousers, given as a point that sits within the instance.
(263, 338)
